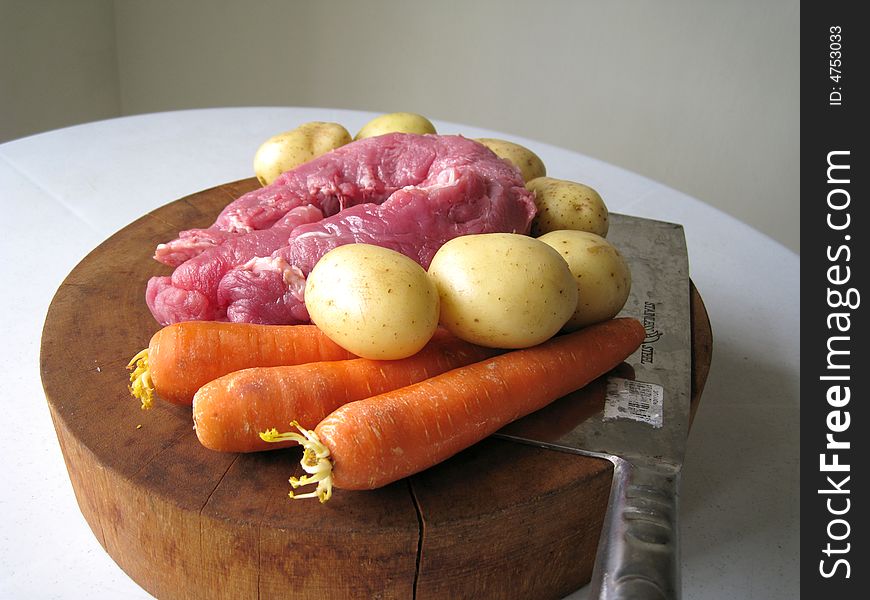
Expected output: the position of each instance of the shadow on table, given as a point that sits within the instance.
(741, 473)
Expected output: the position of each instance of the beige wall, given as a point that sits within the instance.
(58, 64)
(700, 95)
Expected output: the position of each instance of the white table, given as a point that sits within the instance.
(65, 191)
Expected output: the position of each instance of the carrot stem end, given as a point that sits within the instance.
(315, 461)
(141, 386)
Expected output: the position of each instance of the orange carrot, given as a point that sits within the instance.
(183, 357)
(372, 442)
(229, 412)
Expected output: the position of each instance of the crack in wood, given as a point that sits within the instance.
(421, 525)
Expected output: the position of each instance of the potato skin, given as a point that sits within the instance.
(397, 122)
(564, 204)
(372, 301)
(602, 276)
(502, 290)
(530, 164)
(290, 149)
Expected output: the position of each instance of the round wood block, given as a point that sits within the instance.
(499, 520)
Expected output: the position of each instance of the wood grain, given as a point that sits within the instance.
(500, 520)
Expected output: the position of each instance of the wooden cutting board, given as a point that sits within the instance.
(500, 520)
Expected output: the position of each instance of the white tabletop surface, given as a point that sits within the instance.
(65, 191)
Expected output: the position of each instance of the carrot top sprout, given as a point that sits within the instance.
(141, 385)
(315, 461)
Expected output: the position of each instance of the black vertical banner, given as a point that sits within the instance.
(834, 228)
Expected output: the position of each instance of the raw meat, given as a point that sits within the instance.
(190, 293)
(414, 221)
(193, 242)
(368, 170)
(450, 186)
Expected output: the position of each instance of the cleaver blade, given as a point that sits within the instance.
(643, 422)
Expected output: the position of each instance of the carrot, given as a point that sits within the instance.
(229, 412)
(372, 442)
(183, 357)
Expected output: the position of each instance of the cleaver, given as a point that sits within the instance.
(643, 423)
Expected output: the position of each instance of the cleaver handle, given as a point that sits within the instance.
(638, 553)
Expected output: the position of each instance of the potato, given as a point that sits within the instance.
(502, 290)
(529, 164)
(566, 204)
(372, 301)
(292, 148)
(601, 274)
(397, 122)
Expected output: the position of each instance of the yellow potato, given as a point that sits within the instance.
(372, 301)
(602, 276)
(502, 290)
(397, 122)
(292, 148)
(529, 163)
(566, 204)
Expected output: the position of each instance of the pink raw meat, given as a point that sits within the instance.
(465, 189)
(193, 242)
(190, 293)
(368, 170)
(414, 221)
